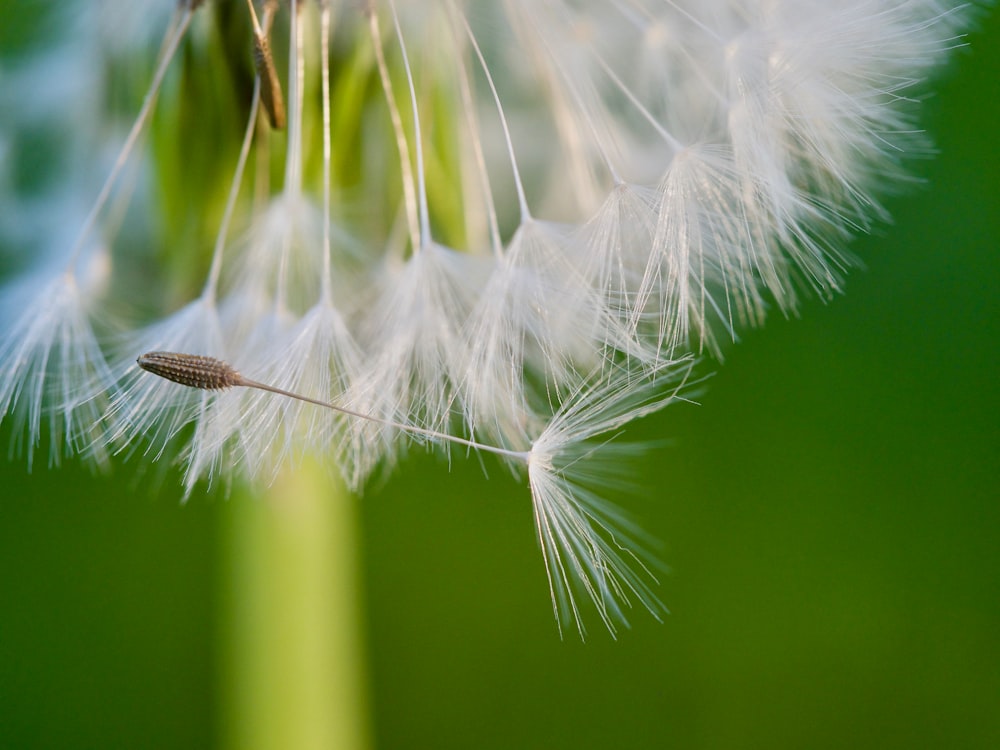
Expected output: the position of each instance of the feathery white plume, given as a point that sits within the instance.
(577, 198)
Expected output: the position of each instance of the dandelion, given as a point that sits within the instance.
(500, 227)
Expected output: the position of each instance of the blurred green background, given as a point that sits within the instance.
(830, 514)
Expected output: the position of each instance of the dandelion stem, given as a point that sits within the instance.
(293, 671)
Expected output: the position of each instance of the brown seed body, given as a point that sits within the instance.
(270, 85)
(192, 370)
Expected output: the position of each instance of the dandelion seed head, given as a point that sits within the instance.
(502, 227)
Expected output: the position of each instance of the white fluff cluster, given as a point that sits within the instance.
(592, 192)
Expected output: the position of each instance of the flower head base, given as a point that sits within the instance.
(544, 210)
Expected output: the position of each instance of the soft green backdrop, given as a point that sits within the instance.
(830, 513)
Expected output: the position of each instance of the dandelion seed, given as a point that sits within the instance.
(587, 544)
(53, 369)
(270, 86)
(211, 374)
(192, 370)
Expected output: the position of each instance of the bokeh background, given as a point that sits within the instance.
(830, 513)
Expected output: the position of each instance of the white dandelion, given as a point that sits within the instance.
(506, 228)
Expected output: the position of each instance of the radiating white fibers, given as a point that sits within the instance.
(524, 221)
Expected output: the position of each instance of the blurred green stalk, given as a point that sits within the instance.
(292, 652)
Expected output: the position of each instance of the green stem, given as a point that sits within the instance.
(293, 672)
